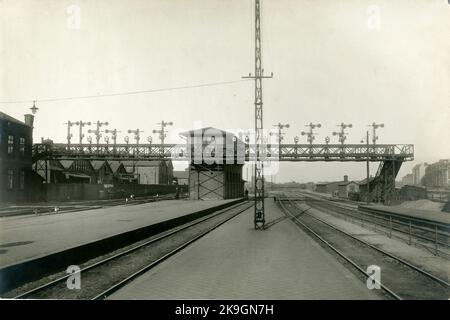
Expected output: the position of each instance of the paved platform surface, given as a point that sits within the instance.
(441, 217)
(237, 262)
(27, 237)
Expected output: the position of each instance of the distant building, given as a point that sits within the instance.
(409, 192)
(103, 172)
(418, 172)
(120, 174)
(437, 175)
(347, 188)
(408, 179)
(321, 187)
(78, 171)
(151, 172)
(16, 140)
(363, 190)
(331, 187)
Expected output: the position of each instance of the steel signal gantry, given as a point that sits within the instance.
(258, 77)
(375, 126)
(341, 134)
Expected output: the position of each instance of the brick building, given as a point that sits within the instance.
(16, 176)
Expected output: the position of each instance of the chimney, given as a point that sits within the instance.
(345, 178)
(29, 120)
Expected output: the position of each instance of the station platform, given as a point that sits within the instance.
(432, 216)
(237, 262)
(27, 237)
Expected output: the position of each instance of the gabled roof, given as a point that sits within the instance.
(55, 165)
(115, 165)
(6, 117)
(97, 164)
(66, 163)
(347, 183)
(363, 182)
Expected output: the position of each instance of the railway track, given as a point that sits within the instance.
(434, 237)
(399, 279)
(107, 274)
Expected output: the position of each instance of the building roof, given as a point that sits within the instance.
(364, 182)
(66, 163)
(55, 165)
(347, 183)
(6, 117)
(115, 165)
(97, 164)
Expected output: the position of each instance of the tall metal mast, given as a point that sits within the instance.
(259, 139)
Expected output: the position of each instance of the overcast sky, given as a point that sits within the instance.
(350, 61)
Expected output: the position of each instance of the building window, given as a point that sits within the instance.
(10, 144)
(22, 180)
(22, 146)
(10, 177)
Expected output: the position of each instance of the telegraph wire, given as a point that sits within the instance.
(95, 96)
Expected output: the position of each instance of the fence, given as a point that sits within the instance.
(79, 191)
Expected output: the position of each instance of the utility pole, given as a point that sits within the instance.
(82, 124)
(258, 77)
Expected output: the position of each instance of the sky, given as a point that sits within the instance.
(351, 61)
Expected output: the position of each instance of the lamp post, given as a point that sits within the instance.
(107, 142)
(34, 109)
(127, 141)
(342, 134)
(89, 139)
(150, 140)
(375, 126)
(162, 133)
